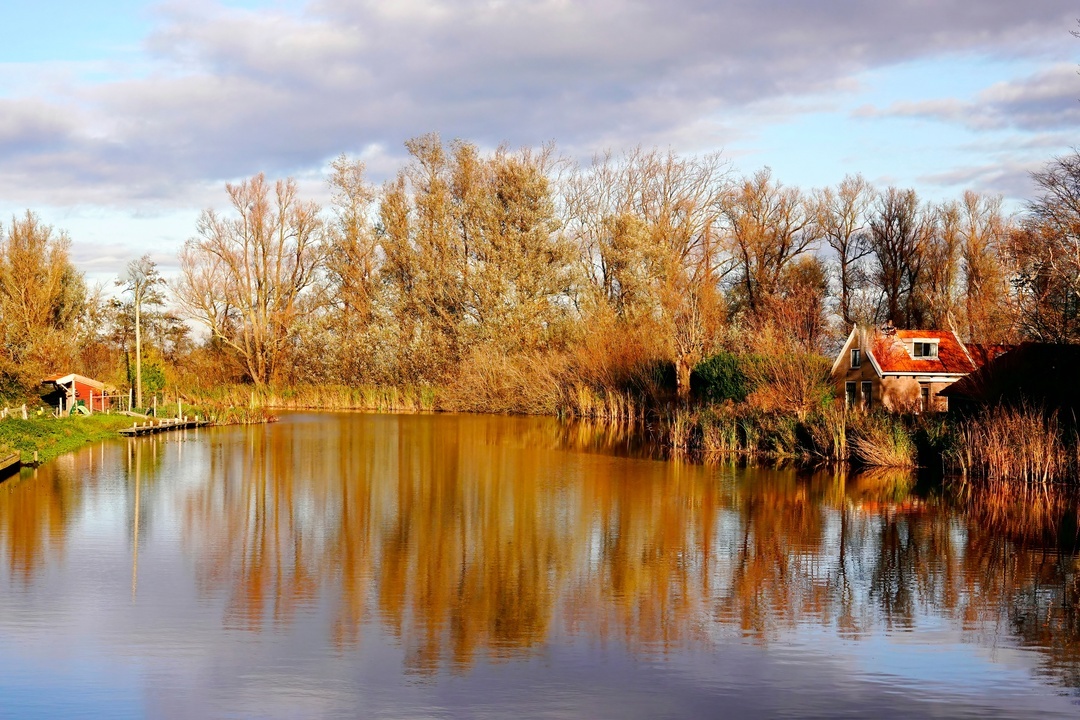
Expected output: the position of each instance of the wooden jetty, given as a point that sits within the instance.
(164, 424)
(9, 464)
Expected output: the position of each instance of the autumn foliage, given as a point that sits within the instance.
(519, 281)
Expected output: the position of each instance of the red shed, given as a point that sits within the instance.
(74, 389)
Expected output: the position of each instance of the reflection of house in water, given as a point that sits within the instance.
(71, 391)
(903, 370)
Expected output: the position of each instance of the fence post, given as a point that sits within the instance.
(24, 411)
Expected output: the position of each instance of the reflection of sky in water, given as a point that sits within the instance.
(73, 641)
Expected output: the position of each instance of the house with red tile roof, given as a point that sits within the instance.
(903, 370)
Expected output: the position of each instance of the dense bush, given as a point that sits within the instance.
(719, 378)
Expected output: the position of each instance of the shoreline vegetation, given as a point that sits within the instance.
(644, 287)
(730, 419)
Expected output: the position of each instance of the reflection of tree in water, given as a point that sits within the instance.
(37, 508)
(464, 540)
(34, 513)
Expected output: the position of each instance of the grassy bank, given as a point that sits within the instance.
(51, 437)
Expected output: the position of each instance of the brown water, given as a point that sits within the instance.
(336, 565)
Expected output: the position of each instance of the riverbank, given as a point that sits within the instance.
(51, 437)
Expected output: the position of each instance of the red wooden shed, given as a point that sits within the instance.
(73, 389)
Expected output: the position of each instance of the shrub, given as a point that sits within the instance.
(785, 379)
(719, 378)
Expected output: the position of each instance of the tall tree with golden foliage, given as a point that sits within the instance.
(42, 297)
(987, 303)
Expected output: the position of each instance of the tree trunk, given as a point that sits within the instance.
(138, 350)
(682, 378)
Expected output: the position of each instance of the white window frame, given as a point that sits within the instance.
(923, 345)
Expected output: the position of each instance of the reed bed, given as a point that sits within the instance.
(729, 431)
(828, 432)
(682, 430)
(1015, 445)
(320, 397)
(582, 401)
(880, 440)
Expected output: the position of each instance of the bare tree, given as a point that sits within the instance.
(1056, 214)
(937, 294)
(769, 225)
(898, 239)
(649, 227)
(984, 229)
(144, 283)
(841, 217)
(352, 260)
(1045, 250)
(245, 276)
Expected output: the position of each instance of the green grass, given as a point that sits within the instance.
(51, 437)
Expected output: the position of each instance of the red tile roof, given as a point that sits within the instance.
(983, 354)
(893, 357)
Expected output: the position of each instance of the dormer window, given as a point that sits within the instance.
(856, 357)
(924, 349)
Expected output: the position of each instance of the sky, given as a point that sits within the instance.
(121, 120)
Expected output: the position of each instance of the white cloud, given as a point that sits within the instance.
(230, 92)
(1046, 100)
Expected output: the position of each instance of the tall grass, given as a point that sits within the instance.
(881, 440)
(720, 432)
(321, 397)
(1015, 445)
(493, 381)
(828, 433)
(582, 401)
(732, 430)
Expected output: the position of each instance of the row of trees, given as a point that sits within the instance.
(604, 272)
(464, 257)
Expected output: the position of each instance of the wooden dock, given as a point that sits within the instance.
(9, 464)
(163, 425)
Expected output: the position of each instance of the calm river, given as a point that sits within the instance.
(382, 566)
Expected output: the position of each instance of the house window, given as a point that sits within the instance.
(924, 349)
(867, 394)
(925, 398)
(856, 357)
(849, 394)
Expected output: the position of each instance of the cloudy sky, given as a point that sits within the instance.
(121, 119)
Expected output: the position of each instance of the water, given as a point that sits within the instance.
(341, 565)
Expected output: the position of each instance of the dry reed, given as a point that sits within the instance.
(1014, 444)
(320, 397)
(879, 440)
